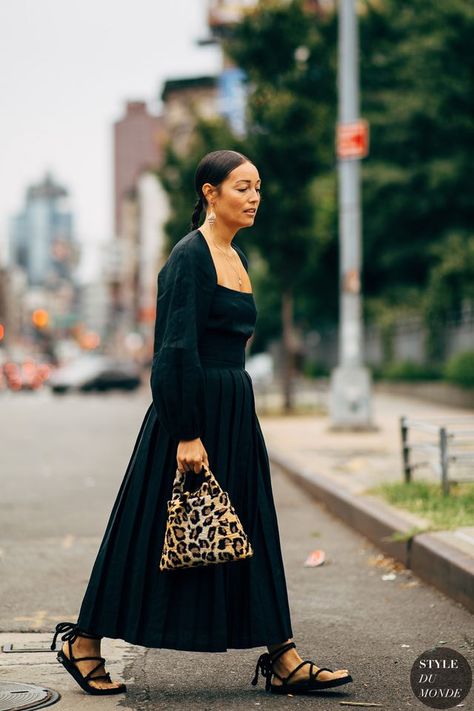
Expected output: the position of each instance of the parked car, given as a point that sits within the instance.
(260, 368)
(95, 372)
(28, 373)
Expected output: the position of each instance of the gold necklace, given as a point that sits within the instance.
(227, 256)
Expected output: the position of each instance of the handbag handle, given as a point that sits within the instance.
(180, 477)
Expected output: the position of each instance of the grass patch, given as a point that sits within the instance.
(399, 537)
(426, 500)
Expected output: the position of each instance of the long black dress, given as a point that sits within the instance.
(200, 388)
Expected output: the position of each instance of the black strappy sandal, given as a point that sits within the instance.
(71, 633)
(265, 666)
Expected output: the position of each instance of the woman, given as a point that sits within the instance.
(202, 410)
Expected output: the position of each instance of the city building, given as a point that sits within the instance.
(140, 255)
(184, 100)
(41, 235)
(222, 14)
(4, 305)
(154, 211)
(95, 307)
(138, 146)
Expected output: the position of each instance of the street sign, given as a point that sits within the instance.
(352, 139)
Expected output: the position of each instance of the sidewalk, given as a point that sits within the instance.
(338, 467)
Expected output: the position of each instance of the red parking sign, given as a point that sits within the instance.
(352, 139)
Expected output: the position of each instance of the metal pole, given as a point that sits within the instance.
(350, 399)
(405, 449)
(443, 454)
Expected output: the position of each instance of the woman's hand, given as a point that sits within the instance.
(191, 455)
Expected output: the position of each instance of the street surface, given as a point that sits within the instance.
(61, 462)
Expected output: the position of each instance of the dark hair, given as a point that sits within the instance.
(213, 168)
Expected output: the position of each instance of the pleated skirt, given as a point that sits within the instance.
(238, 604)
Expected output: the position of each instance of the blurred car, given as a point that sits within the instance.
(28, 374)
(95, 372)
(260, 368)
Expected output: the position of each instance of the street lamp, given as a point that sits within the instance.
(350, 394)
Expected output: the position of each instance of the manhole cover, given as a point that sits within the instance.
(19, 697)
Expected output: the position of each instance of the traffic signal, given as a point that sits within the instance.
(40, 318)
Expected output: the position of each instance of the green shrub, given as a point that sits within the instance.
(409, 370)
(460, 369)
(377, 372)
(313, 369)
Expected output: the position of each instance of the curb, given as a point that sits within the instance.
(433, 560)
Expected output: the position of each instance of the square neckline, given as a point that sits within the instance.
(235, 291)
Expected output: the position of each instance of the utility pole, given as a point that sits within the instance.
(350, 395)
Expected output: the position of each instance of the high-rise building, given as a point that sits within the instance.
(138, 142)
(41, 235)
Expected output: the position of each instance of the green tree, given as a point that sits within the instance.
(417, 92)
(450, 288)
(288, 55)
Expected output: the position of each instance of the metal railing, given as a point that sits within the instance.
(453, 442)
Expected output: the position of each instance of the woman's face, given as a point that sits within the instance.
(237, 201)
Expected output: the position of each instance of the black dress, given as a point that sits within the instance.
(200, 388)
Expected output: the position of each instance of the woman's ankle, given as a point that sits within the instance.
(86, 643)
(273, 647)
(287, 659)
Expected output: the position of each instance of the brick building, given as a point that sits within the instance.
(138, 143)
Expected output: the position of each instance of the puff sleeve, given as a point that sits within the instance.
(177, 379)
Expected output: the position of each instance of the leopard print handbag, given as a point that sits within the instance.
(202, 526)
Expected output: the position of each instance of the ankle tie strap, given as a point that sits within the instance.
(70, 632)
(265, 664)
(278, 652)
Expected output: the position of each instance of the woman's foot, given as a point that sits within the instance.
(290, 659)
(86, 647)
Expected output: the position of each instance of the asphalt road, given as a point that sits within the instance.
(61, 462)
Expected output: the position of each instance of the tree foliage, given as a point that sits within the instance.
(289, 56)
(417, 92)
(416, 68)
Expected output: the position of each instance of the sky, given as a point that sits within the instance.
(66, 69)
